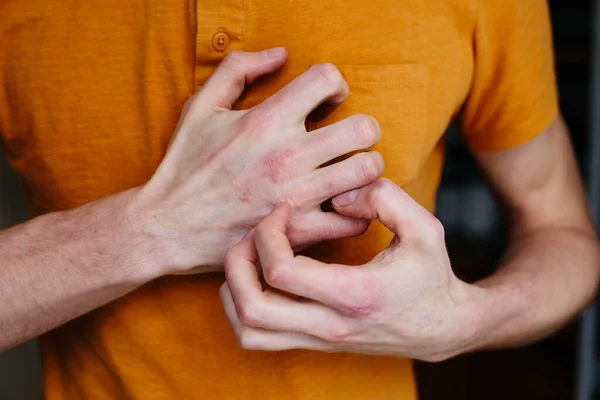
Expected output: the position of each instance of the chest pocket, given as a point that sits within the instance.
(396, 95)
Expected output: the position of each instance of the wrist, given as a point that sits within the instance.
(492, 307)
(172, 251)
(147, 242)
(463, 320)
(145, 255)
(100, 240)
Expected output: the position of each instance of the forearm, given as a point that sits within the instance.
(545, 279)
(552, 266)
(62, 265)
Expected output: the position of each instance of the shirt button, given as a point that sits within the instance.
(220, 41)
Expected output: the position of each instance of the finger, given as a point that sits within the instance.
(229, 308)
(399, 212)
(258, 339)
(245, 249)
(318, 226)
(357, 171)
(237, 70)
(320, 83)
(269, 310)
(273, 229)
(350, 290)
(241, 255)
(354, 133)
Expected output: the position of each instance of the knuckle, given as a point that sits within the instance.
(382, 190)
(385, 186)
(365, 301)
(437, 227)
(223, 291)
(366, 130)
(265, 232)
(359, 309)
(252, 122)
(360, 227)
(337, 334)
(369, 166)
(361, 306)
(247, 340)
(276, 274)
(298, 232)
(329, 74)
(250, 313)
(433, 233)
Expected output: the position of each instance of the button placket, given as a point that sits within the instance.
(220, 29)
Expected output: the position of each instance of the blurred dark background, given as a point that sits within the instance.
(475, 239)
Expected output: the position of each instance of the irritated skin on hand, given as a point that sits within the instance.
(210, 190)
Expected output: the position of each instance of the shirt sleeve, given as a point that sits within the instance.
(513, 95)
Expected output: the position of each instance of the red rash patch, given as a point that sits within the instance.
(275, 162)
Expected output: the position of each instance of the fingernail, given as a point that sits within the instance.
(345, 199)
(274, 52)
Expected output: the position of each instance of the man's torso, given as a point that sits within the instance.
(90, 94)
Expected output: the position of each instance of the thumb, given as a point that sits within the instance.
(382, 200)
(237, 70)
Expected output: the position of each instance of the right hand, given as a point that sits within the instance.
(225, 170)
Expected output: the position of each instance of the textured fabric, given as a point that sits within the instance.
(90, 93)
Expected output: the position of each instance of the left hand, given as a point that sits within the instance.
(405, 302)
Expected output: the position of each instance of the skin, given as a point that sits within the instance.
(407, 301)
(211, 189)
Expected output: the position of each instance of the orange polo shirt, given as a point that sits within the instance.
(90, 93)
